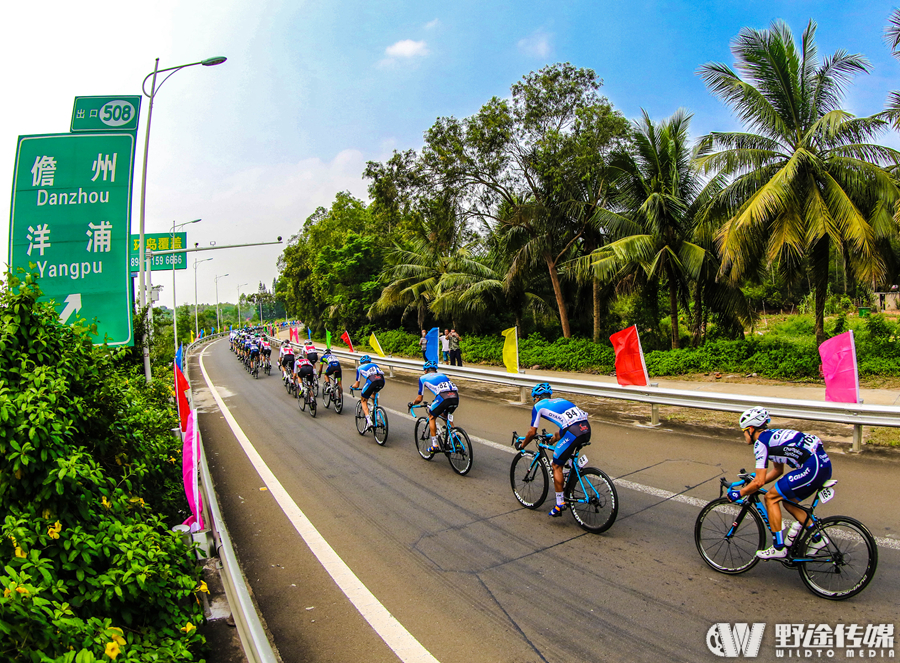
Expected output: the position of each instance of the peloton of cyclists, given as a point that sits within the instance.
(374, 377)
(446, 398)
(574, 431)
(810, 469)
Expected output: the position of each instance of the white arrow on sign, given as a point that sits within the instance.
(73, 305)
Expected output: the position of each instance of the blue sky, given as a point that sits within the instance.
(313, 90)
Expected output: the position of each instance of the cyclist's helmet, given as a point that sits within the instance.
(756, 417)
(429, 366)
(365, 359)
(542, 390)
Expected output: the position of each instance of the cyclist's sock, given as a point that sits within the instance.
(560, 500)
(779, 539)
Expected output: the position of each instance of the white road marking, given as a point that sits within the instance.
(394, 634)
(641, 488)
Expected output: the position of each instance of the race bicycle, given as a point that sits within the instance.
(587, 491)
(379, 418)
(332, 393)
(454, 442)
(307, 397)
(836, 556)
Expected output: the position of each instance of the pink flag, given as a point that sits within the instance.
(190, 470)
(839, 368)
(630, 366)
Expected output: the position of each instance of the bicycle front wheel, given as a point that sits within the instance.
(423, 438)
(360, 419)
(728, 535)
(593, 499)
(843, 561)
(380, 425)
(529, 480)
(459, 451)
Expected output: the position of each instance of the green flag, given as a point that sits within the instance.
(327, 339)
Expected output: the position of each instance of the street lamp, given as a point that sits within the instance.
(174, 300)
(218, 324)
(239, 301)
(196, 323)
(209, 62)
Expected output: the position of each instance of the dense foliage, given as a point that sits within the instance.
(89, 477)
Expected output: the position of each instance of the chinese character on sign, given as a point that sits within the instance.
(137, 245)
(879, 635)
(94, 113)
(79, 114)
(788, 635)
(43, 170)
(104, 165)
(177, 243)
(151, 243)
(38, 239)
(821, 635)
(99, 237)
(163, 243)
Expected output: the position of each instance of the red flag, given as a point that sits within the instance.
(839, 368)
(630, 366)
(181, 389)
(345, 337)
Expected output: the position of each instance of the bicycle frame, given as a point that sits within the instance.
(450, 440)
(544, 447)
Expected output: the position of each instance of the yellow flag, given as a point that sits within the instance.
(375, 345)
(511, 350)
(192, 337)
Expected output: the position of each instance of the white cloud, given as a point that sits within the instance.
(405, 49)
(432, 24)
(536, 44)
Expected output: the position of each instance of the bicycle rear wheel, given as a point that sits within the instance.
(380, 425)
(423, 438)
(845, 564)
(593, 499)
(312, 404)
(360, 419)
(337, 398)
(302, 399)
(728, 535)
(459, 451)
(528, 479)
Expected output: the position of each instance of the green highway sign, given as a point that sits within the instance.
(159, 242)
(70, 223)
(106, 114)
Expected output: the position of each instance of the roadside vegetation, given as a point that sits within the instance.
(90, 485)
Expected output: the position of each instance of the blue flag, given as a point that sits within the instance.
(309, 332)
(214, 330)
(201, 333)
(432, 350)
(178, 357)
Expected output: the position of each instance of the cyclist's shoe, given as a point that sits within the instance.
(557, 510)
(435, 448)
(772, 553)
(816, 545)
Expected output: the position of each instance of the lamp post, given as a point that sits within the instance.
(239, 301)
(209, 62)
(196, 323)
(174, 300)
(218, 324)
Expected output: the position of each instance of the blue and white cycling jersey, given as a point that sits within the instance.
(561, 412)
(330, 359)
(788, 447)
(437, 383)
(368, 372)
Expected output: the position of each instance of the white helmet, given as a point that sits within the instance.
(756, 417)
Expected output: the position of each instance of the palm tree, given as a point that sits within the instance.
(656, 187)
(804, 176)
(892, 36)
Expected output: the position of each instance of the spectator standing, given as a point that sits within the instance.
(423, 345)
(455, 352)
(445, 345)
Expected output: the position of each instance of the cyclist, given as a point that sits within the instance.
(332, 366)
(286, 361)
(265, 349)
(254, 352)
(374, 378)
(810, 469)
(309, 349)
(574, 431)
(303, 373)
(446, 398)
(246, 353)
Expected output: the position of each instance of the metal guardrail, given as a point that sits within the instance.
(253, 637)
(852, 414)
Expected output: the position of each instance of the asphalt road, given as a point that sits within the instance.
(470, 574)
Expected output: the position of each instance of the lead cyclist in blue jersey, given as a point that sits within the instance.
(446, 398)
(810, 469)
(574, 431)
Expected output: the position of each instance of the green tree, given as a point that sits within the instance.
(805, 177)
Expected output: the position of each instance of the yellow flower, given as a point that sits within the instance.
(172, 460)
(187, 628)
(118, 635)
(22, 590)
(54, 530)
(137, 500)
(203, 588)
(6, 593)
(46, 514)
(112, 650)
(20, 552)
(105, 503)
